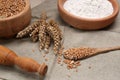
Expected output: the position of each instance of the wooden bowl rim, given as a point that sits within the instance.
(115, 12)
(19, 14)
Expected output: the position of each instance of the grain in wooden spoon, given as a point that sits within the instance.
(84, 52)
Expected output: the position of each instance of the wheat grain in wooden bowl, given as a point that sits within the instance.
(86, 23)
(14, 17)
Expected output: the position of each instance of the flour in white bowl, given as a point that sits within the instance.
(89, 8)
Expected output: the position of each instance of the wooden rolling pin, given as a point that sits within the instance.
(84, 52)
(9, 58)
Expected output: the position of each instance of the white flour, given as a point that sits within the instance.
(89, 8)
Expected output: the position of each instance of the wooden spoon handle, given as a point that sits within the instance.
(102, 50)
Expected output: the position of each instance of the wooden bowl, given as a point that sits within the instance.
(12, 25)
(86, 23)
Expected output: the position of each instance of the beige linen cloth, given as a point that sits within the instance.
(103, 67)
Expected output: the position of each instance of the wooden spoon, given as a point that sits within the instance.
(84, 52)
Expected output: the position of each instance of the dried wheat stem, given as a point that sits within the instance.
(55, 35)
(42, 36)
(28, 29)
(55, 24)
(47, 43)
(34, 34)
